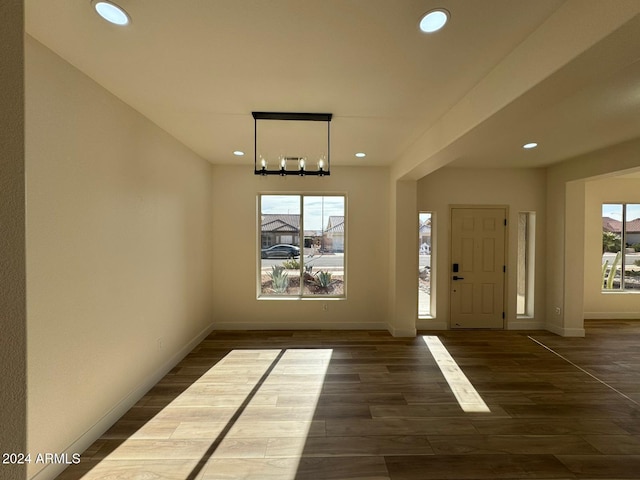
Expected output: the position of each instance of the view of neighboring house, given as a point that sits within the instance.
(280, 228)
(285, 228)
(632, 235)
(334, 234)
(312, 238)
(425, 236)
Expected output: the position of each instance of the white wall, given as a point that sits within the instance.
(520, 190)
(236, 189)
(119, 238)
(599, 304)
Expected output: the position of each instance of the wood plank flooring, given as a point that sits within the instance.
(364, 405)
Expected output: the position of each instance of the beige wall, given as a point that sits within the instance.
(596, 303)
(13, 345)
(520, 190)
(235, 251)
(119, 235)
(403, 258)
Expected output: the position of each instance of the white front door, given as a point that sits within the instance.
(477, 267)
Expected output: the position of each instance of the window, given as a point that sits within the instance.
(424, 264)
(525, 265)
(302, 246)
(620, 247)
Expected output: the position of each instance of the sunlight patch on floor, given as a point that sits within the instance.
(303, 372)
(253, 408)
(467, 396)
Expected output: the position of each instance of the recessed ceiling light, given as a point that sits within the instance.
(361, 154)
(238, 153)
(434, 20)
(111, 12)
(530, 145)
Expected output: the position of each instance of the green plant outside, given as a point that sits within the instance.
(611, 242)
(323, 279)
(608, 283)
(279, 279)
(291, 264)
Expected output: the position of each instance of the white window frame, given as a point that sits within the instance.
(301, 295)
(431, 267)
(623, 253)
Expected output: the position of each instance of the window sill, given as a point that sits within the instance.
(266, 297)
(620, 292)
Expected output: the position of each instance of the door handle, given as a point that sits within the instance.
(455, 277)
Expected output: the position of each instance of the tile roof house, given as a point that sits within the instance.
(334, 234)
(280, 228)
(611, 225)
(615, 226)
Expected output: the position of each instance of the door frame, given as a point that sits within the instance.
(506, 260)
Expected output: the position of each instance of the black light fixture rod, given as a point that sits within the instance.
(293, 172)
(313, 117)
(255, 145)
(328, 146)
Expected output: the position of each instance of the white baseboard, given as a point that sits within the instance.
(565, 332)
(52, 470)
(315, 326)
(300, 326)
(518, 324)
(612, 316)
(402, 332)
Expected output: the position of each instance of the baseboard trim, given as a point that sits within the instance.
(565, 332)
(52, 470)
(299, 326)
(402, 332)
(611, 316)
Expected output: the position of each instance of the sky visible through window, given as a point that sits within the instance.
(315, 208)
(614, 211)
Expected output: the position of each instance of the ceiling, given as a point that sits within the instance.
(565, 74)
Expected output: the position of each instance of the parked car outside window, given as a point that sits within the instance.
(281, 251)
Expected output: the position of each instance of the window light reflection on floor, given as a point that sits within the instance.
(202, 411)
(254, 406)
(279, 431)
(298, 380)
(467, 396)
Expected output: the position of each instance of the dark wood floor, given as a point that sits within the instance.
(365, 405)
